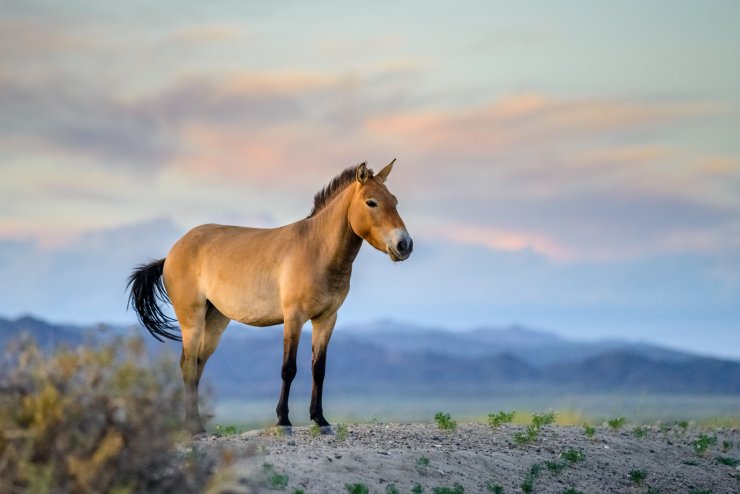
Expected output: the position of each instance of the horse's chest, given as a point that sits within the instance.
(336, 282)
(328, 292)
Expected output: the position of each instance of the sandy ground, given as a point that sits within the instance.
(411, 457)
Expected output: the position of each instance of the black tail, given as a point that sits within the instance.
(147, 291)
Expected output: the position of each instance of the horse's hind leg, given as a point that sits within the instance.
(192, 317)
(215, 325)
(201, 331)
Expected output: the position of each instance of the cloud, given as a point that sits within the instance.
(568, 178)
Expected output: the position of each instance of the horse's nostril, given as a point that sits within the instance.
(403, 246)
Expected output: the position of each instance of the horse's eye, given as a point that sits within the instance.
(371, 203)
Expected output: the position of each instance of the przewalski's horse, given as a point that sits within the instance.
(262, 277)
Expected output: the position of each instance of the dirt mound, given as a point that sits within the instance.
(411, 458)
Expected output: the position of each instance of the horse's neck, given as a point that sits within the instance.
(331, 227)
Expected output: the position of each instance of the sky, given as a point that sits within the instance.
(569, 166)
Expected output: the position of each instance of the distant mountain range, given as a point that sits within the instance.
(405, 360)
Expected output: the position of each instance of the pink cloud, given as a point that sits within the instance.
(524, 120)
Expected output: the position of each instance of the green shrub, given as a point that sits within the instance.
(637, 476)
(616, 423)
(275, 479)
(532, 432)
(357, 488)
(572, 455)
(93, 419)
(494, 488)
(528, 484)
(226, 430)
(496, 419)
(445, 421)
(589, 430)
(640, 432)
(555, 467)
(702, 443)
(455, 489)
(541, 419)
(342, 432)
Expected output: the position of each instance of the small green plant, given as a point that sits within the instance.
(455, 489)
(445, 421)
(417, 489)
(357, 488)
(571, 490)
(726, 460)
(640, 432)
(637, 476)
(726, 445)
(589, 430)
(391, 489)
(702, 443)
(683, 424)
(652, 490)
(531, 433)
(572, 455)
(541, 419)
(275, 479)
(555, 467)
(299, 491)
(496, 419)
(342, 432)
(494, 488)
(616, 423)
(528, 484)
(422, 462)
(314, 430)
(522, 438)
(226, 430)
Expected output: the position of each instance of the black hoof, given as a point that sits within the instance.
(326, 430)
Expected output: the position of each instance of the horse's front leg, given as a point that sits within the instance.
(322, 329)
(291, 337)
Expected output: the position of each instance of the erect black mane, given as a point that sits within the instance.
(337, 185)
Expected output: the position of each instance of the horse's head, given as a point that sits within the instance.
(373, 215)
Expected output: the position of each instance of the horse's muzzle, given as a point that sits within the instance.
(400, 248)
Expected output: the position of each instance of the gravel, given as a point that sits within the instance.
(476, 458)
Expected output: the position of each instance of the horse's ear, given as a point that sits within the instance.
(362, 173)
(383, 174)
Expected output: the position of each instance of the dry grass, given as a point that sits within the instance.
(92, 419)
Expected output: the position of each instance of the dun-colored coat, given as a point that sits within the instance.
(262, 277)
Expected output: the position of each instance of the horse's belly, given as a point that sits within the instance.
(256, 306)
